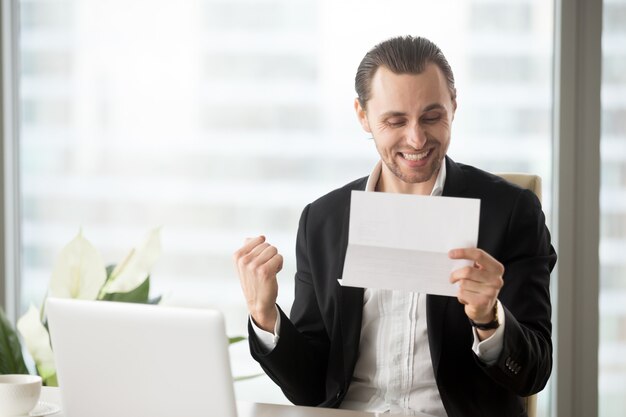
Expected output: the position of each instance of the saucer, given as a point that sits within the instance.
(44, 408)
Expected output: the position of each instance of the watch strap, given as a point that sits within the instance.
(494, 324)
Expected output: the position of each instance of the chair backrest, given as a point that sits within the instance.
(532, 183)
(529, 181)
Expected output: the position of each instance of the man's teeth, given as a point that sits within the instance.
(415, 156)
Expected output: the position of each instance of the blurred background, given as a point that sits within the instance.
(222, 119)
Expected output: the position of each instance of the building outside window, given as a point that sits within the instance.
(222, 119)
(612, 349)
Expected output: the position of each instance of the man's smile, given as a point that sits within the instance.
(415, 156)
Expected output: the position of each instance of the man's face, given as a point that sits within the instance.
(410, 117)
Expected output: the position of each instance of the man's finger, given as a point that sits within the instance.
(249, 244)
(479, 256)
(473, 254)
(276, 262)
(266, 255)
(467, 272)
(257, 250)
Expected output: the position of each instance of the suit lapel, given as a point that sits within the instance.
(350, 302)
(435, 319)
(456, 184)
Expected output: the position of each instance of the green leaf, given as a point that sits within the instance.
(50, 381)
(235, 339)
(130, 273)
(245, 377)
(109, 270)
(11, 359)
(138, 295)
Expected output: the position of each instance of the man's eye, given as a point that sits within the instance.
(395, 123)
(431, 118)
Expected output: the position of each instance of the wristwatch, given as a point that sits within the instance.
(494, 324)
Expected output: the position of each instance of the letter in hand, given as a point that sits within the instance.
(257, 264)
(479, 285)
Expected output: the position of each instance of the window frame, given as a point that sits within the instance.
(576, 173)
(10, 242)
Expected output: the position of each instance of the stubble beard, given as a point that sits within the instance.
(431, 170)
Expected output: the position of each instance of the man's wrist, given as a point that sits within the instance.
(266, 320)
(492, 324)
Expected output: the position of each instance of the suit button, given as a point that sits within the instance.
(339, 394)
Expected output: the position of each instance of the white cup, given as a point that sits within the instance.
(18, 394)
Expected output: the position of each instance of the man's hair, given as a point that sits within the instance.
(401, 55)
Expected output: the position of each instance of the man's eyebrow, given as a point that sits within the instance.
(395, 113)
(392, 113)
(434, 106)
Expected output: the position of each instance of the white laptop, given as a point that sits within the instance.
(122, 359)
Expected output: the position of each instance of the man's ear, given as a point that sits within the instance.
(362, 116)
(453, 108)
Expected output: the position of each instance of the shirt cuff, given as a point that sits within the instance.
(489, 349)
(267, 339)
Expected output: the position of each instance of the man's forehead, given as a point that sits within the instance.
(429, 87)
(430, 73)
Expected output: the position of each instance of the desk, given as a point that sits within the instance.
(247, 409)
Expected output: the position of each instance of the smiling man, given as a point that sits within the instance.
(398, 352)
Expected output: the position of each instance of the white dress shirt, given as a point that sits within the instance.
(394, 372)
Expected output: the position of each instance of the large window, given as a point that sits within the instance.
(612, 361)
(221, 119)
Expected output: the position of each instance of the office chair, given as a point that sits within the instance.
(532, 183)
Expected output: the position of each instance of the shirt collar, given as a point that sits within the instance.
(437, 188)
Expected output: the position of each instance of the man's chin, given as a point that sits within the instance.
(417, 178)
(416, 175)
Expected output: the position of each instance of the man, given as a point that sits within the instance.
(391, 351)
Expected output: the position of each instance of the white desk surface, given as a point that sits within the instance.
(245, 409)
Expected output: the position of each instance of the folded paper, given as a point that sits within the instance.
(401, 241)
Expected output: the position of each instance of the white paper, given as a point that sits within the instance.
(401, 241)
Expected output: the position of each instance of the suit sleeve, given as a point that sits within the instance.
(299, 361)
(525, 363)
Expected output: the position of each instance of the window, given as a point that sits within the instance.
(222, 119)
(612, 348)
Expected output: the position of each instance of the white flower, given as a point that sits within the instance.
(134, 270)
(37, 342)
(78, 272)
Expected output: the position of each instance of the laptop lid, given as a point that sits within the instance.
(123, 359)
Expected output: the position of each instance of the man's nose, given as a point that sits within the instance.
(416, 136)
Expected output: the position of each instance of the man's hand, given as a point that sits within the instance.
(257, 263)
(479, 285)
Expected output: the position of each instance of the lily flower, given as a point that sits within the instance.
(134, 270)
(37, 342)
(78, 272)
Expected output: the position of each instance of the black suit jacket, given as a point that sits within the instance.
(315, 357)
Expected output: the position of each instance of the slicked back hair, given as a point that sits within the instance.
(401, 55)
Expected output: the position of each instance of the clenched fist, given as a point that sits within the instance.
(257, 263)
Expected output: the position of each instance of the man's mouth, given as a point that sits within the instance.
(415, 156)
